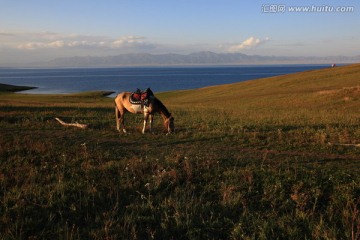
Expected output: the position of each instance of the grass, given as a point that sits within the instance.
(264, 159)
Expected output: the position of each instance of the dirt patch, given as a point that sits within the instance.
(343, 91)
(346, 93)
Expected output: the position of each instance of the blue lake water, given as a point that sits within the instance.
(159, 79)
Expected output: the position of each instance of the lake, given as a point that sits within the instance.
(159, 79)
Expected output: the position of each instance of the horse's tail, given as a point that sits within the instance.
(116, 108)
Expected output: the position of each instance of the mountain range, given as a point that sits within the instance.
(199, 58)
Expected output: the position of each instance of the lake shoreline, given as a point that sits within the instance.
(14, 88)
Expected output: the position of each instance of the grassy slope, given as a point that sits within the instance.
(325, 95)
(299, 89)
(84, 99)
(249, 161)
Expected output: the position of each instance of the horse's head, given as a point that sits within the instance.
(169, 124)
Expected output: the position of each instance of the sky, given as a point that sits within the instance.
(41, 30)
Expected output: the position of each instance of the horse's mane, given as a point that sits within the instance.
(161, 107)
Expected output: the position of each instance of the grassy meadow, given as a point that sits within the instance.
(274, 158)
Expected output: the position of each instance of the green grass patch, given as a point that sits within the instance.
(92, 94)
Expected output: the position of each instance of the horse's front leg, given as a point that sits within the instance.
(122, 122)
(151, 122)
(146, 117)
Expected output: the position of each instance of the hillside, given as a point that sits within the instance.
(309, 86)
(326, 91)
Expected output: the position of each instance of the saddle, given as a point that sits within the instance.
(141, 97)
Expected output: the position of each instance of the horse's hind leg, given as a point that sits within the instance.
(119, 115)
(117, 118)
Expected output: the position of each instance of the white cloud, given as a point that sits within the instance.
(57, 44)
(130, 42)
(62, 43)
(129, 39)
(98, 45)
(46, 40)
(249, 43)
(30, 46)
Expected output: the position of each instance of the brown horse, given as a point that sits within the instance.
(123, 105)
